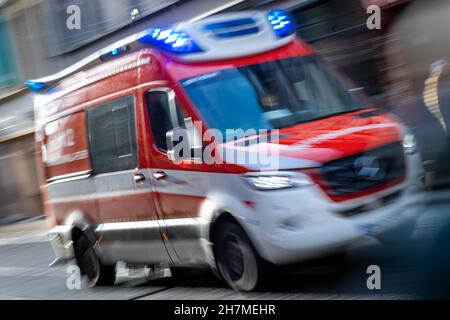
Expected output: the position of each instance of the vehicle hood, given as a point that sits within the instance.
(314, 143)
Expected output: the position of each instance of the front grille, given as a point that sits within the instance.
(365, 171)
(375, 204)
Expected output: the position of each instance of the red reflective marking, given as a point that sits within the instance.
(134, 207)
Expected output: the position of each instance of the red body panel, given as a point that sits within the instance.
(179, 206)
(61, 210)
(319, 141)
(66, 146)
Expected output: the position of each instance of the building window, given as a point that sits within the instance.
(97, 19)
(8, 70)
(112, 136)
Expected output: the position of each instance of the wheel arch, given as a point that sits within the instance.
(223, 216)
(79, 224)
(220, 218)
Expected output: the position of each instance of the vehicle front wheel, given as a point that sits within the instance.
(239, 264)
(92, 270)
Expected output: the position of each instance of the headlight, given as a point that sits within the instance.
(267, 182)
(409, 143)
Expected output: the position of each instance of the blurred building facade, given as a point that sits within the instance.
(35, 41)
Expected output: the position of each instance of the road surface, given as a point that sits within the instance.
(25, 255)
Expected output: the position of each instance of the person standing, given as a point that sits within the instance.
(436, 98)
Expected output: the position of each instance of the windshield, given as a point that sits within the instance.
(270, 95)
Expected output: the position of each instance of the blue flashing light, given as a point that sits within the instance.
(281, 23)
(35, 86)
(171, 41)
(115, 52)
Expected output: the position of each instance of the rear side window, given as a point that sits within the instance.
(112, 136)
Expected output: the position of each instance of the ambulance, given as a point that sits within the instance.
(114, 191)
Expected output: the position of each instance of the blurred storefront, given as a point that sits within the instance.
(19, 188)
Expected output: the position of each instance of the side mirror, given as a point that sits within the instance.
(180, 146)
(175, 137)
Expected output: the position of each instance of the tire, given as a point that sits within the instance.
(94, 273)
(238, 262)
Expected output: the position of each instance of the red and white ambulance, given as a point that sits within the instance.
(113, 191)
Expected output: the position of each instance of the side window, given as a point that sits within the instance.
(112, 136)
(165, 114)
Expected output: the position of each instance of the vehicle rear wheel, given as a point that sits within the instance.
(91, 268)
(238, 262)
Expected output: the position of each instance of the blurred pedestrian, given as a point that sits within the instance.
(436, 98)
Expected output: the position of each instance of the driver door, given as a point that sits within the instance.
(179, 189)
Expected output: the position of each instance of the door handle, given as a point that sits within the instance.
(139, 178)
(160, 175)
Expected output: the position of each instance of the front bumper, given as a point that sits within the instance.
(322, 230)
(62, 245)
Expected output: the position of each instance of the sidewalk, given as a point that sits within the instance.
(24, 233)
(33, 226)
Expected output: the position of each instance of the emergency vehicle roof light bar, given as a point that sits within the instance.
(213, 38)
(281, 23)
(171, 40)
(35, 86)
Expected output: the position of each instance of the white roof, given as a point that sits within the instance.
(222, 36)
(216, 48)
